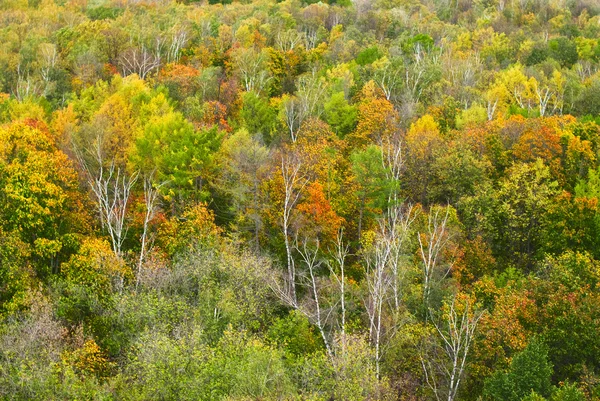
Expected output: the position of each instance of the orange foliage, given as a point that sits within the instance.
(215, 113)
(319, 218)
(504, 330)
(203, 56)
(377, 118)
(110, 69)
(542, 143)
(229, 94)
(475, 136)
(178, 72)
(319, 149)
(475, 260)
(181, 75)
(258, 40)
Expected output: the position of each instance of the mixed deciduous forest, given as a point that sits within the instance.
(298, 200)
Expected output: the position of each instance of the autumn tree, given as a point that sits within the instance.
(40, 192)
(377, 118)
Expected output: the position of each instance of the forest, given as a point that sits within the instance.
(296, 200)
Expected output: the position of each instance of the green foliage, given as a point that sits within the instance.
(539, 54)
(295, 334)
(368, 56)
(340, 115)
(533, 396)
(589, 188)
(15, 273)
(568, 392)
(350, 376)
(588, 102)
(530, 371)
(457, 174)
(374, 186)
(573, 270)
(515, 215)
(32, 351)
(472, 116)
(102, 12)
(258, 117)
(187, 368)
(179, 153)
(85, 290)
(564, 51)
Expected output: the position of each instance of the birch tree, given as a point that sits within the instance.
(339, 255)
(392, 159)
(151, 197)
(388, 77)
(250, 65)
(26, 85)
(518, 85)
(140, 61)
(312, 305)
(399, 221)
(432, 244)
(288, 39)
(49, 59)
(314, 311)
(378, 283)
(292, 114)
(385, 273)
(310, 93)
(112, 188)
(444, 363)
(178, 39)
(294, 182)
(543, 93)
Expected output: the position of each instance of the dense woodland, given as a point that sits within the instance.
(261, 200)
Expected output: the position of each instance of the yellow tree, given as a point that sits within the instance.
(497, 98)
(423, 142)
(40, 198)
(518, 85)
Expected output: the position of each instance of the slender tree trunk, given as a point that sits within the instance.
(360, 219)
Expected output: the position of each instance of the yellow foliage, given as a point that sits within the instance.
(95, 265)
(64, 123)
(120, 126)
(195, 227)
(26, 110)
(424, 125)
(88, 360)
(423, 137)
